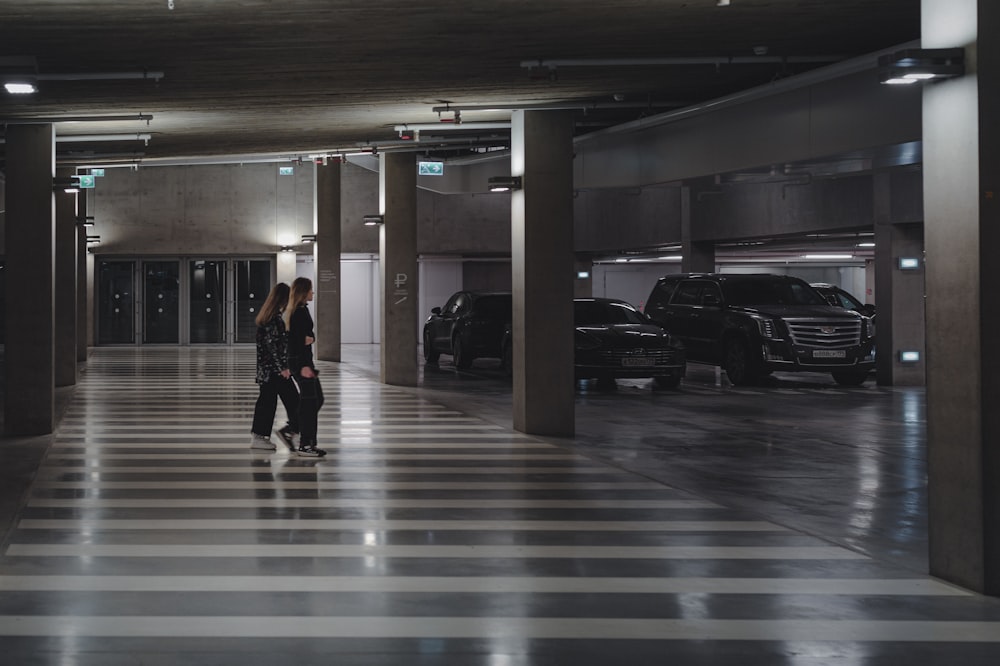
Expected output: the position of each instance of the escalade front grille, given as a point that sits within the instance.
(825, 333)
(615, 356)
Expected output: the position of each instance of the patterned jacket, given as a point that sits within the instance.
(272, 349)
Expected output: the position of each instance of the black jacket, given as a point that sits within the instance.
(300, 325)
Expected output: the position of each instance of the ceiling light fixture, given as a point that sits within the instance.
(308, 238)
(504, 183)
(373, 220)
(911, 66)
(828, 256)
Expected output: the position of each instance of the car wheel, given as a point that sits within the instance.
(667, 382)
(738, 366)
(507, 360)
(845, 378)
(430, 356)
(461, 357)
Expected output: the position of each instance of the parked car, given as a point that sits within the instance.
(613, 340)
(842, 298)
(751, 325)
(469, 326)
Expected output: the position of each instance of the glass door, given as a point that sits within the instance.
(207, 301)
(116, 302)
(161, 302)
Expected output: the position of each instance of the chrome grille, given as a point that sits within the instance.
(825, 333)
(615, 356)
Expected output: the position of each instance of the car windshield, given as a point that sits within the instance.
(494, 306)
(597, 313)
(770, 292)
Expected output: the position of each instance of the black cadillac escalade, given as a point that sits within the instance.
(752, 325)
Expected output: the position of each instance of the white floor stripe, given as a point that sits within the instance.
(516, 629)
(490, 551)
(347, 485)
(285, 470)
(378, 503)
(259, 525)
(482, 584)
(99, 446)
(104, 429)
(356, 455)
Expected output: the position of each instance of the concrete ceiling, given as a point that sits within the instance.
(244, 77)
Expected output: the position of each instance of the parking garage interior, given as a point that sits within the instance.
(464, 515)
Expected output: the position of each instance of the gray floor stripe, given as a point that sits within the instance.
(349, 485)
(513, 628)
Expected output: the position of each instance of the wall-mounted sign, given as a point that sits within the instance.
(286, 171)
(97, 172)
(86, 182)
(430, 168)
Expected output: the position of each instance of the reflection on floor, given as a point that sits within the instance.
(434, 534)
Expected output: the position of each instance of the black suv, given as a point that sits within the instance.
(752, 325)
(469, 326)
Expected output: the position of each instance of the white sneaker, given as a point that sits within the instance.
(261, 442)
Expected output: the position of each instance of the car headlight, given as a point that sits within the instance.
(869, 327)
(773, 329)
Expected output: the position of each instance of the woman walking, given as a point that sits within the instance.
(273, 375)
(301, 336)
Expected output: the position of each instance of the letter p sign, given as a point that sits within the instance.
(400, 280)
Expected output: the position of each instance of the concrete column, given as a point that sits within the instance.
(696, 256)
(328, 246)
(542, 264)
(82, 315)
(899, 293)
(29, 404)
(398, 268)
(962, 227)
(65, 285)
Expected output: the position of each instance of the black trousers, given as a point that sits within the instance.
(310, 400)
(267, 402)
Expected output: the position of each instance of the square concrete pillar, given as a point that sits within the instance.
(328, 235)
(398, 268)
(542, 263)
(962, 230)
(29, 405)
(65, 285)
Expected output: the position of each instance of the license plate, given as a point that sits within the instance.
(829, 353)
(633, 361)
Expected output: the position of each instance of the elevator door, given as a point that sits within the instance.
(207, 298)
(161, 302)
(116, 302)
(253, 282)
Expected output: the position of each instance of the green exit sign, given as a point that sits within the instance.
(97, 172)
(286, 171)
(86, 182)
(430, 168)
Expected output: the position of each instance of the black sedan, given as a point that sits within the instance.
(613, 340)
(470, 325)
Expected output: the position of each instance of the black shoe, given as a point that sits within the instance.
(309, 451)
(288, 437)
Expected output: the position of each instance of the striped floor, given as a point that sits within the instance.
(154, 535)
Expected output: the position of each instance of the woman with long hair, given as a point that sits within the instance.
(273, 375)
(301, 337)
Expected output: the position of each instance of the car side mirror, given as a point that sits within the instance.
(868, 309)
(435, 310)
